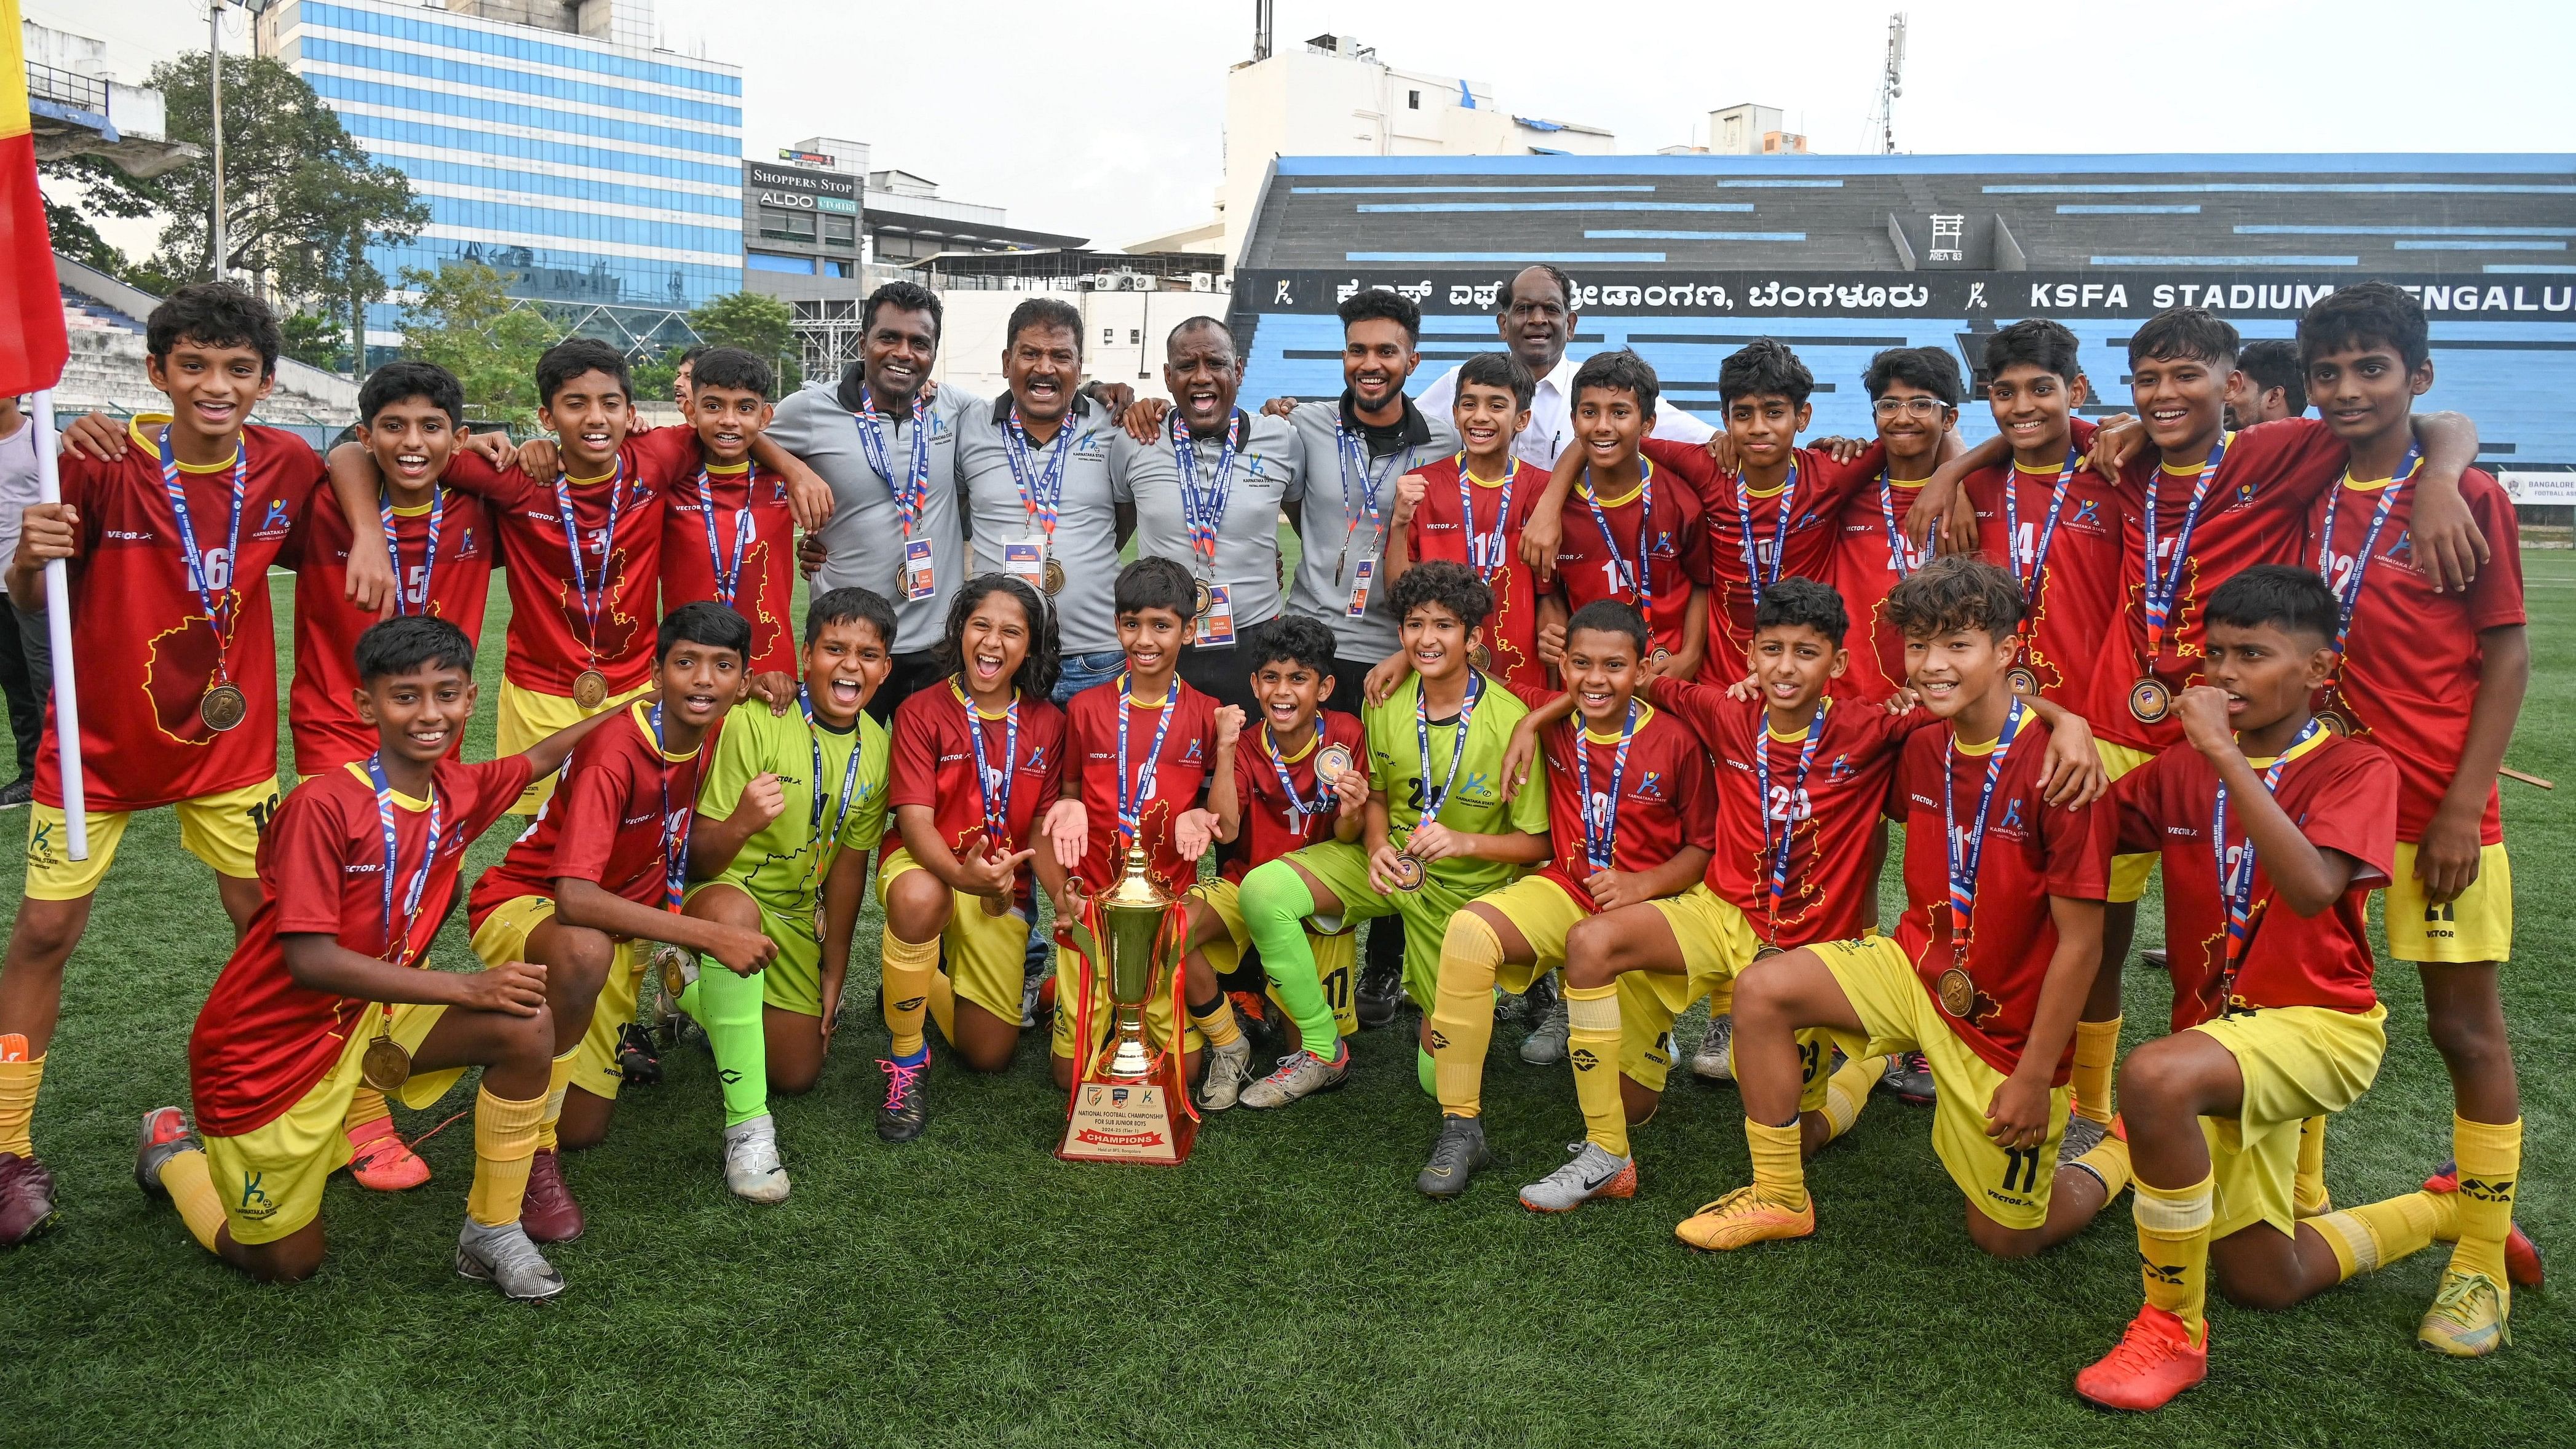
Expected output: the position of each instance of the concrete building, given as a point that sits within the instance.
(552, 142)
(77, 105)
(800, 231)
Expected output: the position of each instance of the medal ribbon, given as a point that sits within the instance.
(397, 945)
(1968, 847)
(675, 843)
(728, 580)
(1641, 583)
(429, 560)
(1204, 510)
(825, 841)
(1484, 550)
(1457, 746)
(1347, 447)
(1896, 549)
(219, 612)
(591, 599)
(2348, 594)
(1042, 487)
(914, 490)
(997, 816)
(1599, 847)
(2236, 883)
(1789, 812)
(2026, 569)
(1131, 807)
(1298, 807)
(2161, 591)
(1779, 531)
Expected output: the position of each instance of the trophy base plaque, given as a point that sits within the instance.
(1130, 1120)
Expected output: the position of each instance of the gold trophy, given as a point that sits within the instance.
(1130, 1103)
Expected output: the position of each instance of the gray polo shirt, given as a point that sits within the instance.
(1086, 532)
(1268, 475)
(865, 539)
(1335, 495)
(17, 486)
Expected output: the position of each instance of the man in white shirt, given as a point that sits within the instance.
(26, 674)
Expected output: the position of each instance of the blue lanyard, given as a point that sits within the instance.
(1897, 551)
(2236, 882)
(1298, 806)
(827, 841)
(1968, 847)
(1345, 448)
(997, 816)
(1779, 531)
(2348, 594)
(675, 842)
(591, 598)
(1485, 550)
(398, 943)
(1431, 803)
(1041, 488)
(1641, 583)
(914, 490)
(219, 611)
(728, 580)
(1203, 511)
(429, 560)
(1779, 855)
(2026, 570)
(1601, 834)
(1131, 807)
(2162, 588)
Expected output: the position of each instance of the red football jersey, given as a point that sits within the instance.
(2343, 794)
(261, 1040)
(2033, 850)
(1817, 494)
(1180, 776)
(2412, 661)
(2074, 641)
(765, 589)
(1663, 805)
(325, 725)
(1511, 635)
(1270, 830)
(141, 634)
(551, 639)
(1829, 817)
(607, 821)
(1870, 558)
(934, 766)
(1591, 565)
(2256, 513)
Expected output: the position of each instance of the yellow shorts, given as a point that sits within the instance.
(1335, 952)
(1718, 947)
(1898, 1015)
(270, 1178)
(1545, 913)
(503, 936)
(2476, 927)
(985, 954)
(527, 717)
(2128, 872)
(221, 829)
(2298, 1062)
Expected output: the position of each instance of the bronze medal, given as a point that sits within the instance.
(223, 707)
(1408, 873)
(1480, 658)
(1332, 762)
(1759, 952)
(1958, 993)
(386, 1065)
(819, 925)
(2150, 701)
(1201, 600)
(1052, 577)
(590, 691)
(1661, 656)
(674, 968)
(2333, 723)
(996, 905)
(2024, 680)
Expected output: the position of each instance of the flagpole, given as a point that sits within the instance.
(58, 616)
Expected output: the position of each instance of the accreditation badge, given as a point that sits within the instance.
(1361, 578)
(1216, 627)
(1025, 559)
(920, 578)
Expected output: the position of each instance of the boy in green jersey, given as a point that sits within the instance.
(1439, 829)
(793, 804)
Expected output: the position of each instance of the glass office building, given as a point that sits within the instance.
(550, 141)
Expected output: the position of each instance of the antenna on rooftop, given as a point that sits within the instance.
(1261, 28)
(1891, 84)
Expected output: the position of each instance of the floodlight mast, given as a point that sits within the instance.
(1891, 84)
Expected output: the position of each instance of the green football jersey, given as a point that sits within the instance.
(1476, 802)
(784, 866)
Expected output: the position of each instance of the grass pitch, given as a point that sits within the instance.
(1285, 1285)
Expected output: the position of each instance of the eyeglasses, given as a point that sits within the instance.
(1921, 407)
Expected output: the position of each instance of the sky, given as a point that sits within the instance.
(1107, 122)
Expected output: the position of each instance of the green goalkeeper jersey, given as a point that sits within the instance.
(1476, 801)
(783, 867)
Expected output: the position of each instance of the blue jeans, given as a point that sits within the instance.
(1081, 671)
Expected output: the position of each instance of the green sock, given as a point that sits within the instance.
(1426, 1071)
(1276, 904)
(728, 1007)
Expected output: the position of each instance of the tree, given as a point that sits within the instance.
(102, 193)
(312, 337)
(761, 326)
(461, 319)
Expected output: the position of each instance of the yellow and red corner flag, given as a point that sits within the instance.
(32, 345)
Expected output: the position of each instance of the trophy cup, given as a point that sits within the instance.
(1129, 1102)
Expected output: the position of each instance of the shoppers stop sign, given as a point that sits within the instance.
(791, 188)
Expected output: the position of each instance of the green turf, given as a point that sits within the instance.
(1286, 1285)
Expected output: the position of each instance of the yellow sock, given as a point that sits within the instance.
(2308, 1190)
(1847, 1091)
(943, 1005)
(365, 1105)
(906, 969)
(2109, 1164)
(1778, 1177)
(558, 1082)
(1462, 1012)
(505, 1138)
(2377, 1234)
(1218, 1025)
(2490, 1158)
(18, 1083)
(2097, 1050)
(1592, 1046)
(2173, 1250)
(192, 1189)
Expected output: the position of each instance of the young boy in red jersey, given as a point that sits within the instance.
(1628, 807)
(1914, 396)
(1637, 537)
(2436, 679)
(2274, 829)
(977, 762)
(1470, 509)
(600, 874)
(168, 553)
(1141, 753)
(330, 987)
(1987, 968)
(1302, 777)
(729, 529)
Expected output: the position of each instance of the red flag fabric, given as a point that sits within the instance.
(32, 344)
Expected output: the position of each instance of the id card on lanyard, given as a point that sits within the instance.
(920, 577)
(1217, 625)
